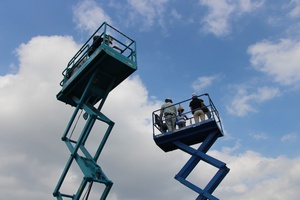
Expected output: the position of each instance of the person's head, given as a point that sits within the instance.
(109, 38)
(168, 100)
(180, 109)
(194, 96)
(95, 37)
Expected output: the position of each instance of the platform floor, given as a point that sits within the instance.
(189, 135)
(109, 68)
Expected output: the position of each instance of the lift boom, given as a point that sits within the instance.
(94, 71)
(204, 133)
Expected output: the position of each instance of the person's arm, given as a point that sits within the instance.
(118, 49)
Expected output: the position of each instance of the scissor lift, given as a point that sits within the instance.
(87, 81)
(205, 132)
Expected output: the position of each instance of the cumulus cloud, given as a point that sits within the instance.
(32, 123)
(279, 60)
(243, 102)
(147, 13)
(253, 176)
(217, 21)
(29, 118)
(203, 82)
(88, 15)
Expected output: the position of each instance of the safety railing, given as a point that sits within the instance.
(159, 123)
(125, 45)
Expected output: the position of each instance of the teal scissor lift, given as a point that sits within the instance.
(87, 81)
(204, 133)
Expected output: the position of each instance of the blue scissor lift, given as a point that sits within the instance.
(94, 71)
(205, 132)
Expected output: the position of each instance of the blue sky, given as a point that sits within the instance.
(244, 53)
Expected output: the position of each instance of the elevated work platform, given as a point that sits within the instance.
(95, 70)
(106, 66)
(190, 135)
(205, 133)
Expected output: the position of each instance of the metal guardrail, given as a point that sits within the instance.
(120, 40)
(157, 122)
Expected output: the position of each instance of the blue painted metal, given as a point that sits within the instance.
(206, 133)
(88, 80)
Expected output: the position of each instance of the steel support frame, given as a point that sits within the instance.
(198, 155)
(87, 163)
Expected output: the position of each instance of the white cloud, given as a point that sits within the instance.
(289, 137)
(176, 15)
(243, 102)
(147, 13)
(203, 82)
(217, 21)
(33, 155)
(259, 136)
(247, 6)
(265, 94)
(253, 176)
(296, 9)
(88, 15)
(230, 150)
(30, 118)
(32, 123)
(278, 60)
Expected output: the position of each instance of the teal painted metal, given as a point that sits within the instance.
(87, 81)
(109, 64)
(206, 133)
